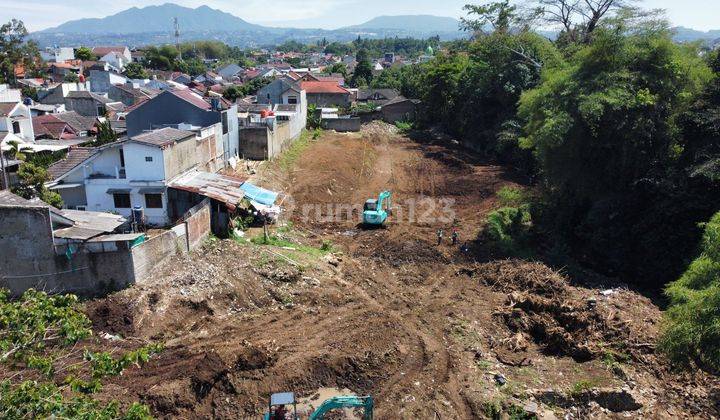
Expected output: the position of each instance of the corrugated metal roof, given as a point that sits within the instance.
(223, 188)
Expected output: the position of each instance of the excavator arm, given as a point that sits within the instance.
(385, 195)
(344, 402)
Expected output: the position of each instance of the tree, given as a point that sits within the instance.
(105, 133)
(604, 131)
(690, 326)
(232, 93)
(15, 50)
(16, 150)
(84, 54)
(500, 16)
(33, 179)
(135, 71)
(363, 71)
(71, 77)
(337, 68)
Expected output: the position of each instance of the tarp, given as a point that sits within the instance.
(261, 195)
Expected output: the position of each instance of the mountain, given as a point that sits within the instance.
(411, 23)
(682, 34)
(158, 19)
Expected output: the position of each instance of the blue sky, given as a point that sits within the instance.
(329, 14)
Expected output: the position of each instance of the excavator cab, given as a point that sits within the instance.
(278, 407)
(375, 211)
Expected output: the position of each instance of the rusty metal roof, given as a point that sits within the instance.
(223, 188)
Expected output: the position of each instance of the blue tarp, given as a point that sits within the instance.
(261, 195)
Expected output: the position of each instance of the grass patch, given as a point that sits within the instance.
(511, 196)
(289, 157)
(582, 386)
(276, 241)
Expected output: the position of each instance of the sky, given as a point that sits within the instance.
(326, 14)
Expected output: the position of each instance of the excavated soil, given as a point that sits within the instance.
(424, 329)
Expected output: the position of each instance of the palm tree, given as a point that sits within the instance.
(16, 150)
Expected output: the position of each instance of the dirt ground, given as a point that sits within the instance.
(426, 330)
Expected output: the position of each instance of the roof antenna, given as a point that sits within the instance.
(177, 37)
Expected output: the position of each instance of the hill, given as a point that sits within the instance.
(412, 23)
(157, 19)
(683, 34)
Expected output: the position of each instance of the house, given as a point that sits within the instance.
(268, 129)
(57, 54)
(230, 72)
(174, 106)
(129, 95)
(116, 60)
(56, 93)
(82, 125)
(135, 172)
(102, 81)
(376, 96)
(9, 95)
(103, 51)
(86, 103)
(60, 71)
(48, 126)
(181, 78)
(279, 91)
(326, 94)
(400, 109)
(15, 122)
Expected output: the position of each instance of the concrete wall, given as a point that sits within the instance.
(327, 100)
(86, 107)
(254, 142)
(402, 111)
(342, 124)
(103, 81)
(29, 259)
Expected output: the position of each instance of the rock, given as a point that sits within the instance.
(500, 379)
(531, 408)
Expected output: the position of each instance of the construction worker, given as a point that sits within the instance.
(455, 237)
(280, 413)
(439, 236)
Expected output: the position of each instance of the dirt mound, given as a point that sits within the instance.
(508, 276)
(409, 252)
(112, 315)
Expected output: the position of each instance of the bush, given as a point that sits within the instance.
(691, 326)
(511, 196)
(403, 126)
(508, 230)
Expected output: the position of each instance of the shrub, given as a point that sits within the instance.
(511, 196)
(691, 326)
(403, 126)
(508, 230)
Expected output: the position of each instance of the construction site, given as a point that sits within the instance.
(430, 327)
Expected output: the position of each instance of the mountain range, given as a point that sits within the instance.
(154, 25)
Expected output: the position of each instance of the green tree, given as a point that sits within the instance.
(16, 51)
(604, 131)
(337, 68)
(85, 54)
(32, 185)
(71, 77)
(135, 71)
(105, 133)
(691, 327)
(362, 76)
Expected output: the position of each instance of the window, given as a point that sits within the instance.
(148, 159)
(292, 100)
(122, 200)
(122, 158)
(16, 127)
(225, 122)
(101, 111)
(153, 201)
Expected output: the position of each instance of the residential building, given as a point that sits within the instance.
(326, 94)
(103, 51)
(129, 95)
(174, 106)
(230, 72)
(15, 122)
(102, 81)
(279, 91)
(268, 129)
(86, 103)
(136, 171)
(55, 94)
(9, 95)
(49, 126)
(57, 54)
(116, 60)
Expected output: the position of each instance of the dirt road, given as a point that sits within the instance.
(425, 330)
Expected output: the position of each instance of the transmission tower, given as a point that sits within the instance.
(177, 36)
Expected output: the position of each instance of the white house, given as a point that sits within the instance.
(135, 172)
(116, 60)
(9, 95)
(16, 122)
(57, 54)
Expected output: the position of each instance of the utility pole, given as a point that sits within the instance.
(6, 183)
(177, 37)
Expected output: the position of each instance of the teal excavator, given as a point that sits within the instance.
(279, 402)
(375, 212)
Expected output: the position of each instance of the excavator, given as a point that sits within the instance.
(375, 211)
(281, 400)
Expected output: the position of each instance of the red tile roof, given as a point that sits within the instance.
(6, 108)
(322, 87)
(49, 126)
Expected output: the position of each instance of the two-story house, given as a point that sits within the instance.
(183, 106)
(135, 172)
(16, 123)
